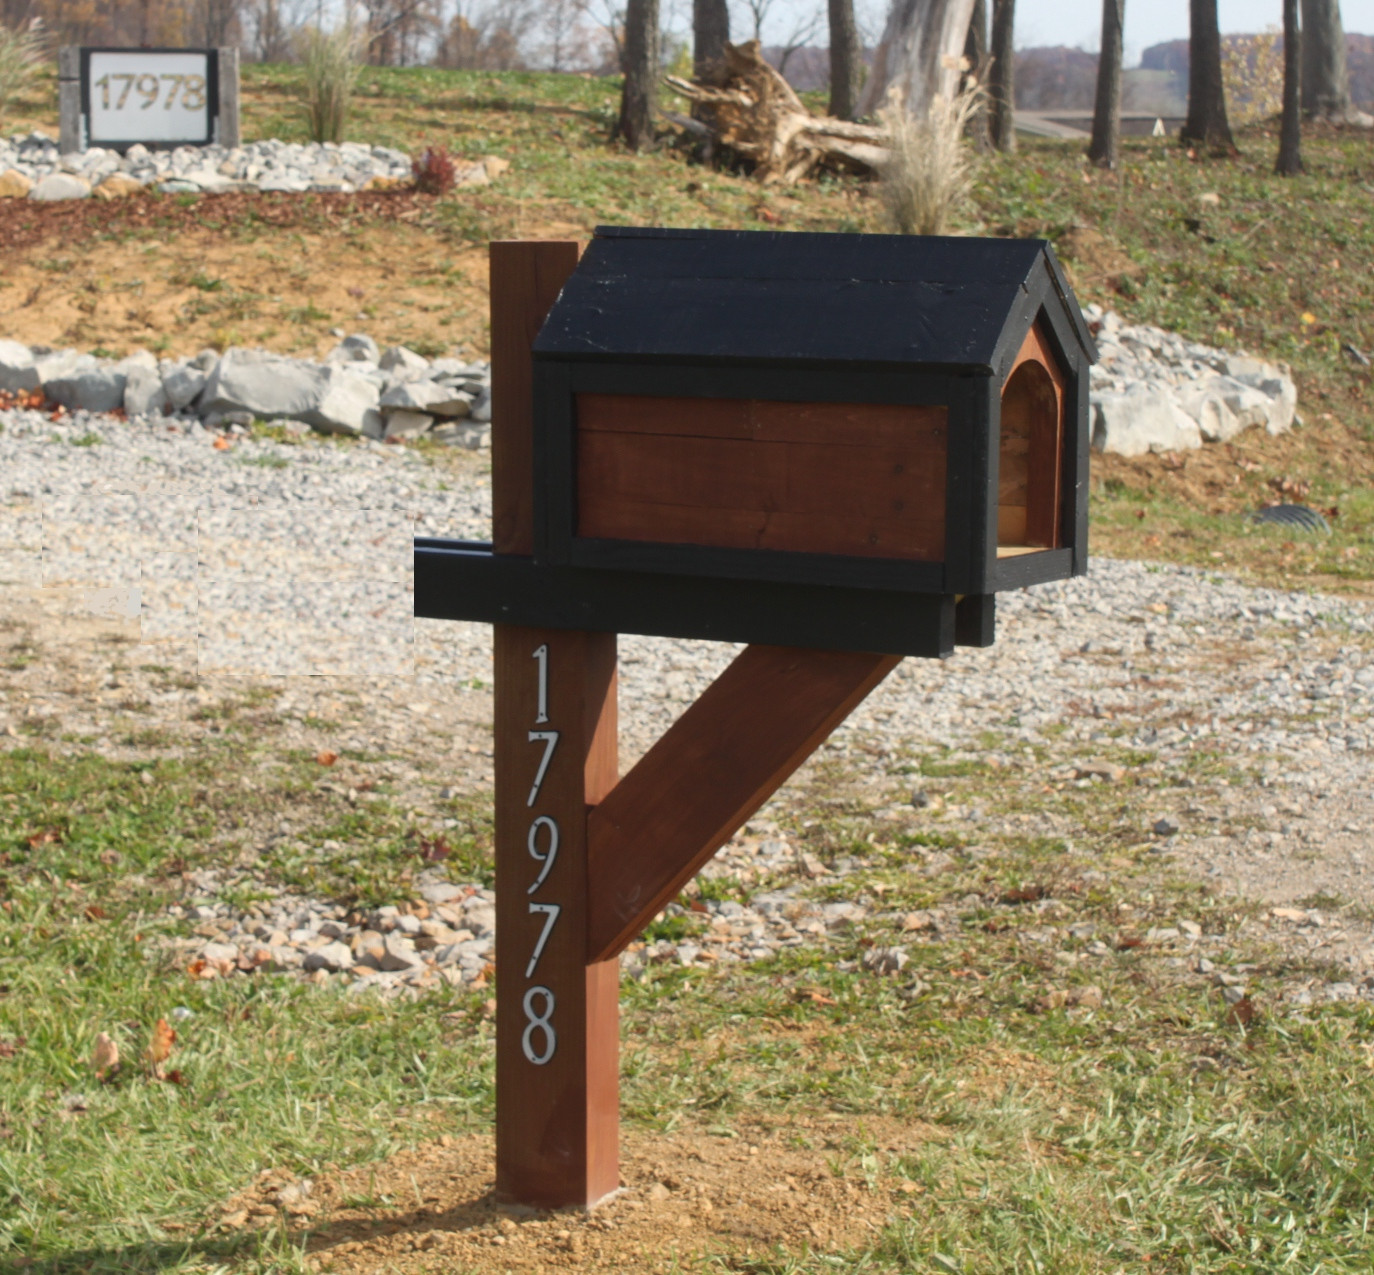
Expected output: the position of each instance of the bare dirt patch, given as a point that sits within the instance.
(685, 1199)
(240, 269)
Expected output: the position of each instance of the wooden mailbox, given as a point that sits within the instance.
(835, 448)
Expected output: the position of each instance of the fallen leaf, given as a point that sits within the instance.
(1242, 1013)
(326, 758)
(1026, 894)
(8, 1048)
(160, 1046)
(174, 1077)
(434, 851)
(1128, 941)
(96, 913)
(105, 1057)
(222, 444)
(49, 836)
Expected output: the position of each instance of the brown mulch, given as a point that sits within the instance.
(24, 223)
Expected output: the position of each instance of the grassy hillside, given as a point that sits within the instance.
(1222, 252)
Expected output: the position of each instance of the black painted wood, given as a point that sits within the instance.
(975, 620)
(464, 580)
(813, 318)
(751, 296)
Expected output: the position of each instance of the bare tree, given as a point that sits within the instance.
(1325, 76)
(1206, 123)
(213, 23)
(919, 54)
(487, 34)
(1106, 143)
(710, 31)
(396, 30)
(1002, 76)
(846, 60)
(978, 59)
(273, 27)
(804, 30)
(638, 97)
(1289, 162)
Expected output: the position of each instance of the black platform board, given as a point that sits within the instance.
(465, 580)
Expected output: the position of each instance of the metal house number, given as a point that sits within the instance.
(539, 1001)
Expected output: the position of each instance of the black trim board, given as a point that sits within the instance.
(464, 580)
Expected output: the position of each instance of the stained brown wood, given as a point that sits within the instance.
(557, 1120)
(722, 759)
(837, 478)
(526, 278)
(1032, 441)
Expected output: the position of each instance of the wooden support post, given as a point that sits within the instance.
(557, 1016)
(716, 765)
(583, 863)
(69, 137)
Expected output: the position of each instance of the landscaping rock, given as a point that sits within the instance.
(400, 359)
(97, 389)
(407, 424)
(414, 396)
(14, 185)
(58, 186)
(117, 186)
(272, 387)
(332, 956)
(1222, 393)
(18, 372)
(1143, 421)
(182, 384)
(354, 349)
(144, 394)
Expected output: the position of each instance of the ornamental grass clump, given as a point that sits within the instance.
(21, 54)
(331, 71)
(928, 174)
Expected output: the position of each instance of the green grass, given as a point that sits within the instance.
(1152, 1129)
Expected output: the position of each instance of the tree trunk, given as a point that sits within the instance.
(638, 97)
(1106, 143)
(710, 31)
(918, 54)
(1290, 136)
(1325, 77)
(846, 60)
(976, 54)
(1002, 79)
(1207, 122)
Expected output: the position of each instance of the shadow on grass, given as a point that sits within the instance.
(271, 1243)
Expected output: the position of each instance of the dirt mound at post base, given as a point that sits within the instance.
(685, 1198)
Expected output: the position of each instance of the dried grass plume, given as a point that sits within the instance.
(928, 173)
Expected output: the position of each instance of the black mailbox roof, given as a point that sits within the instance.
(741, 296)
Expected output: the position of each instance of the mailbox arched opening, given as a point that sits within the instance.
(1030, 456)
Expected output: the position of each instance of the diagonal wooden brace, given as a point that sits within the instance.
(715, 766)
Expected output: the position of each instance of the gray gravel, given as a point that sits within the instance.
(283, 559)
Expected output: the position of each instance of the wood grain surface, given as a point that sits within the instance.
(722, 759)
(526, 278)
(836, 478)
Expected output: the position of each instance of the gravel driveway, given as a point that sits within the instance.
(287, 563)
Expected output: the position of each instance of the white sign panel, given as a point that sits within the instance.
(140, 96)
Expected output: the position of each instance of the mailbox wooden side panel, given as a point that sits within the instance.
(864, 479)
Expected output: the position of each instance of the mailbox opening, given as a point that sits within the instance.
(1031, 452)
